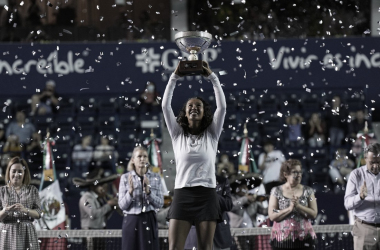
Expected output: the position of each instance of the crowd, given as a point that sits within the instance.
(209, 197)
(231, 20)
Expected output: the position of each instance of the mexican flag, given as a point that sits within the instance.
(54, 213)
(155, 160)
(247, 163)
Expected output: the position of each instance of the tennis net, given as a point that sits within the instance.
(331, 237)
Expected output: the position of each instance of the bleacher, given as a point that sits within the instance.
(122, 120)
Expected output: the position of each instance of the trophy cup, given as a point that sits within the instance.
(192, 42)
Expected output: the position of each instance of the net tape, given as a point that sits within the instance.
(340, 228)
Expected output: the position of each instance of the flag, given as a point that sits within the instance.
(52, 206)
(364, 138)
(246, 161)
(155, 159)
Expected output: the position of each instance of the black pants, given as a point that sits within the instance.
(140, 232)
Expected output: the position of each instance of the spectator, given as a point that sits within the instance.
(291, 206)
(11, 148)
(248, 209)
(95, 208)
(21, 128)
(341, 167)
(46, 102)
(105, 154)
(140, 196)
(225, 168)
(295, 135)
(358, 124)
(11, 18)
(337, 122)
(20, 205)
(316, 129)
(33, 19)
(82, 156)
(361, 198)
(270, 164)
(149, 97)
(35, 151)
(3, 138)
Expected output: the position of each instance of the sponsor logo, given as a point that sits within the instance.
(285, 59)
(150, 60)
(50, 65)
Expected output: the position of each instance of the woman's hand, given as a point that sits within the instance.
(295, 201)
(130, 182)
(9, 208)
(146, 184)
(19, 207)
(177, 71)
(206, 69)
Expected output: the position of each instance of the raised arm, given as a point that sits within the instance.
(221, 106)
(169, 117)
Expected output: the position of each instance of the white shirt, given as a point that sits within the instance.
(272, 165)
(369, 208)
(194, 155)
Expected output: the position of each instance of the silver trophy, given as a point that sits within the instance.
(192, 42)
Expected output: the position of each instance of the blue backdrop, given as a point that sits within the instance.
(302, 64)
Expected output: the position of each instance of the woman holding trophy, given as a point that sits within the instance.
(195, 133)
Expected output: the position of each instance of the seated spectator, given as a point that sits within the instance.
(295, 135)
(225, 168)
(105, 154)
(149, 97)
(95, 205)
(33, 19)
(316, 129)
(270, 164)
(3, 138)
(358, 124)
(82, 156)
(11, 148)
(337, 122)
(21, 128)
(46, 102)
(341, 167)
(35, 151)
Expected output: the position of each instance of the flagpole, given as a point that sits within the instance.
(365, 133)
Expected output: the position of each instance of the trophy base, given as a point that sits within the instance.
(191, 67)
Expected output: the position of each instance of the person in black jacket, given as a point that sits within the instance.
(222, 236)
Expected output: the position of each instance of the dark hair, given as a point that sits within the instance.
(374, 148)
(287, 166)
(268, 142)
(206, 120)
(18, 160)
